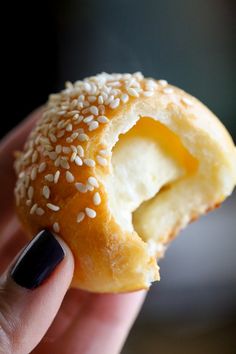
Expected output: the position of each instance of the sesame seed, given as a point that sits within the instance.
(73, 156)
(83, 137)
(33, 209)
(132, 92)
(69, 127)
(39, 211)
(187, 101)
(162, 82)
(80, 217)
(64, 163)
(30, 192)
(28, 202)
(74, 135)
(96, 199)
(88, 119)
(49, 177)
(52, 138)
(90, 213)
(94, 110)
(81, 187)
(93, 181)
(93, 125)
(80, 150)
(104, 152)
(103, 119)
(35, 156)
(78, 161)
(89, 162)
(33, 173)
(168, 90)
(58, 149)
(148, 93)
(100, 100)
(101, 160)
(125, 98)
(115, 103)
(53, 207)
(69, 177)
(60, 133)
(46, 192)
(66, 150)
(92, 99)
(56, 227)
(57, 161)
(56, 176)
(52, 155)
(89, 187)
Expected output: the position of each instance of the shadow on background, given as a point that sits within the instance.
(189, 43)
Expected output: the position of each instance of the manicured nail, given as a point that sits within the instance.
(38, 260)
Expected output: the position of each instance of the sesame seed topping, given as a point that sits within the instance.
(187, 101)
(30, 192)
(148, 93)
(115, 103)
(96, 199)
(104, 152)
(33, 174)
(69, 177)
(78, 161)
(64, 163)
(101, 160)
(162, 82)
(132, 92)
(81, 187)
(80, 150)
(69, 127)
(88, 119)
(35, 156)
(100, 100)
(58, 149)
(49, 177)
(93, 181)
(125, 98)
(80, 217)
(90, 213)
(94, 110)
(168, 90)
(56, 227)
(66, 150)
(73, 156)
(103, 119)
(46, 192)
(93, 125)
(56, 176)
(89, 162)
(83, 137)
(52, 155)
(42, 167)
(53, 207)
(39, 211)
(33, 209)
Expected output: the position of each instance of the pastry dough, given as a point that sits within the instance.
(117, 165)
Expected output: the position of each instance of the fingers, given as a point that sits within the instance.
(9, 144)
(102, 324)
(32, 291)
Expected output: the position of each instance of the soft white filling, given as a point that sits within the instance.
(140, 168)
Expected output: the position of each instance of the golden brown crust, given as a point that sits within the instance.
(67, 159)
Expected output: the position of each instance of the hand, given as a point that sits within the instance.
(80, 322)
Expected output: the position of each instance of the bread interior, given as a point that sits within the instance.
(148, 161)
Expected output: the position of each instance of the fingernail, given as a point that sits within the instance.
(38, 260)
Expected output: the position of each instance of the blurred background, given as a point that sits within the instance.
(192, 45)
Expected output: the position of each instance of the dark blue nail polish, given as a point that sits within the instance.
(37, 261)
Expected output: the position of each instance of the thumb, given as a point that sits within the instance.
(32, 291)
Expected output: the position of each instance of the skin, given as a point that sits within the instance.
(52, 318)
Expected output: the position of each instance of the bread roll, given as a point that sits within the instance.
(117, 165)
